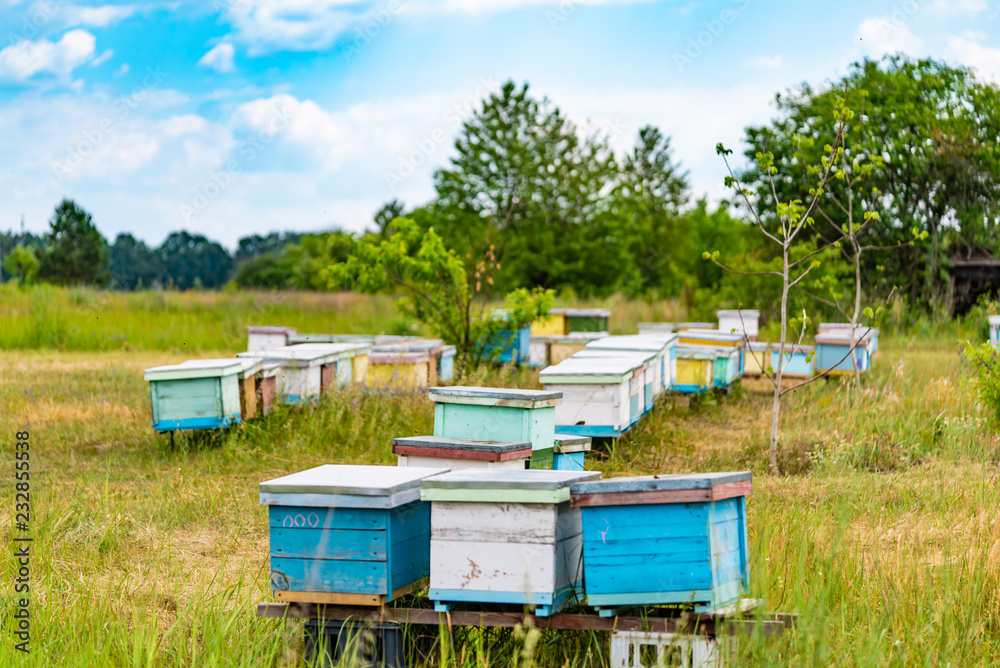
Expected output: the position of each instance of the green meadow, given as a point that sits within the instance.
(882, 534)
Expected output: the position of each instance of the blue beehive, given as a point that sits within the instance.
(446, 364)
(798, 361)
(569, 452)
(837, 355)
(351, 535)
(201, 394)
(664, 539)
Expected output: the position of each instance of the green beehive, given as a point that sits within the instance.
(495, 414)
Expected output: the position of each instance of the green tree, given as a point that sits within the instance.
(193, 261)
(646, 202)
(527, 184)
(76, 253)
(436, 288)
(389, 212)
(22, 264)
(935, 127)
(133, 264)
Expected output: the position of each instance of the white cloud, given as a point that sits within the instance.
(98, 17)
(880, 35)
(968, 50)
(23, 60)
(103, 58)
(219, 58)
(765, 62)
(959, 7)
(122, 71)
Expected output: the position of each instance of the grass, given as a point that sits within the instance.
(884, 534)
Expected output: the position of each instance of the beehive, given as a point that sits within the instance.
(397, 355)
(834, 353)
(758, 358)
(798, 363)
(650, 369)
(695, 366)
(495, 414)
(662, 346)
(509, 346)
(844, 328)
(584, 319)
(201, 394)
(267, 386)
(598, 398)
(546, 350)
(350, 535)
(994, 330)
(657, 328)
(266, 338)
(725, 342)
(504, 536)
(459, 453)
(664, 539)
(248, 377)
(310, 368)
(339, 370)
(741, 321)
(570, 451)
(446, 363)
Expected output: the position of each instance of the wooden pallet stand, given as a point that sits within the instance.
(504, 536)
(348, 535)
(457, 453)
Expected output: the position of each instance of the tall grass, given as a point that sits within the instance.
(883, 534)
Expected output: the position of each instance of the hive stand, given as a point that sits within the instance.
(358, 644)
(669, 650)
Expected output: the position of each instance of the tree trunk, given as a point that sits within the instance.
(776, 406)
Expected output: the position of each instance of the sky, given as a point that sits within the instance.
(235, 117)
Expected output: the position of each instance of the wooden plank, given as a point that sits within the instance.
(329, 544)
(343, 575)
(494, 522)
(484, 566)
(360, 519)
(330, 598)
(718, 493)
(452, 453)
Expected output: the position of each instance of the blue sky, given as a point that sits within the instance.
(233, 117)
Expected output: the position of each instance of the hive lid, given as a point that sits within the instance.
(445, 443)
(302, 355)
(794, 348)
(350, 480)
(691, 351)
(759, 346)
(748, 314)
(398, 357)
(249, 365)
(665, 326)
(331, 338)
(342, 349)
(214, 368)
(581, 312)
(630, 342)
(407, 344)
(449, 351)
(495, 396)
(503, 485)
(572, 337)
(833, 326)
(598, 370)
(672, 488)
(270, 329)
(843, 337)
(600, 353)
(700, 334)
(565, 443)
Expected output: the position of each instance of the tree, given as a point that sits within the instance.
(193, 261)
(133, 264)
(11, 240)
(22, 263)
(527, 184)
(389, 212)
(646, 201)
(436, 288)
(936, 129)
(76, 253)
(793, 219)
(255, 245)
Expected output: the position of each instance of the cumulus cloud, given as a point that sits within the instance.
(98, 17)
(880, 35)
(219, 58)
(23, 60)
(968, 49)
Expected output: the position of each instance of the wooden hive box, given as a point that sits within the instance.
(267, 386)
(741, 322)
(569, 452)
(495, 414)
(798, 363)
(713, 338)
(348, 535)
(304, 370)
(201, 394)
(657, 328)
(834, 355)
(563, 347)
(247, 378)
(510, 347)
(266, 338)
(401, 352)
(459, 453)
(584, 319)
(660, 346)
(727, 367)
(994, 321)
(597, 395)
(870, 333)
(664, 539)
(650, 367)
(340, 371)
(554, 324)
(446, 363)
(504, 536)
(758, 358)
(695, 366)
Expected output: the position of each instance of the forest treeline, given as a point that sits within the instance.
(557, 208)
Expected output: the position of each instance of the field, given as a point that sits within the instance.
(883, 533)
